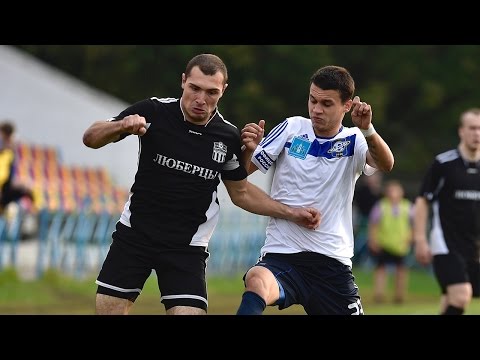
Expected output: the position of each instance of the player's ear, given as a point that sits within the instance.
(184, 78)
(347, 106)
(224, 88)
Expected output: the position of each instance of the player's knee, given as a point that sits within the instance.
(110, 305)
(259, 279)
(460, 295)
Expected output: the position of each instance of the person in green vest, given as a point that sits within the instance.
(390, 239)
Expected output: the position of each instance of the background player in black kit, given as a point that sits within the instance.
(452, 186)
(185, 146)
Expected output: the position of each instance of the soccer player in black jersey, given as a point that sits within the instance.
(452, 189)
(185, 147)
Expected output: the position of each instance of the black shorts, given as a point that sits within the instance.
(180, 272)
(386, 258)
(322, 285)
(453, 268)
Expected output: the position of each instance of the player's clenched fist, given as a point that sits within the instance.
(134, 124)
(252, 134)
(307, 217)
(361, 113)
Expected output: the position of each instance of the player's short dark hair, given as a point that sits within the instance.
(474, 111)
(333, 77)
(209, 64)
(7, 128)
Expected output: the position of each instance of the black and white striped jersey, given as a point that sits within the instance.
(173, 200)
(452, 185)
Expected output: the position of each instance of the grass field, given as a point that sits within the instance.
(55, 294)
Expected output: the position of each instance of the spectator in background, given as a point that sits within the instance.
(11, 192)
(390, 239)
(451, 187)
(367, 192)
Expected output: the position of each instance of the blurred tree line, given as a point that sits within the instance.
(417, 91)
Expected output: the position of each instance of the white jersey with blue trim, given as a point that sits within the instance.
(314, 172)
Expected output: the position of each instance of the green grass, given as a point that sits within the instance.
(55, 293)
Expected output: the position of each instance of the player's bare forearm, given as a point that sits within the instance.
(101, 133)
(381, 157)
(422, 248)
(420, 220)
(246, 161)
(253, 199)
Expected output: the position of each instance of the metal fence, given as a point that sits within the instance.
(76, 243)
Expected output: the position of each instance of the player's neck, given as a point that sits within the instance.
(469, 154)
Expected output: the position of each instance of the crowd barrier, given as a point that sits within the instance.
(10, 234)
(76, 243)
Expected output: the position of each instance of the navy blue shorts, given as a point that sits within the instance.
(453, 268)
(129, 263)
(322, 285)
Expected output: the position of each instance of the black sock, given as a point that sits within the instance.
(252, 304)
(453, 310)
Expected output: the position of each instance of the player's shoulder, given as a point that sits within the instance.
(154, 103)
(167, 100)
(298, 119)
(219, 119)
(296, 123)
(447, 156)
(164, 102)
(350, 133)
(349, 130)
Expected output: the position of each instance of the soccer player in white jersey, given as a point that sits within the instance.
(450, 192)
(185, 147)
(318, 160)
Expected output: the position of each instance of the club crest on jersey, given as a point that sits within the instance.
(219, 152)
(339, 148)
(299, 147)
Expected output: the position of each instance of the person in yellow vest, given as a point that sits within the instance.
(6, 162)
(390, 239)
(11, 190)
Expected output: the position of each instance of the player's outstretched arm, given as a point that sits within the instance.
(101, 133)
(253, 199)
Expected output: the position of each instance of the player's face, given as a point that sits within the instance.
(200, 95)
(326, 110)
(469, 132)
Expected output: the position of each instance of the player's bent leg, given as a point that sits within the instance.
(185, 310)
(261, 288)
(110, 305)
(261, 281)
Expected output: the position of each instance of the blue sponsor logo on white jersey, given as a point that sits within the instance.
(299, 147)
(330, 149)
